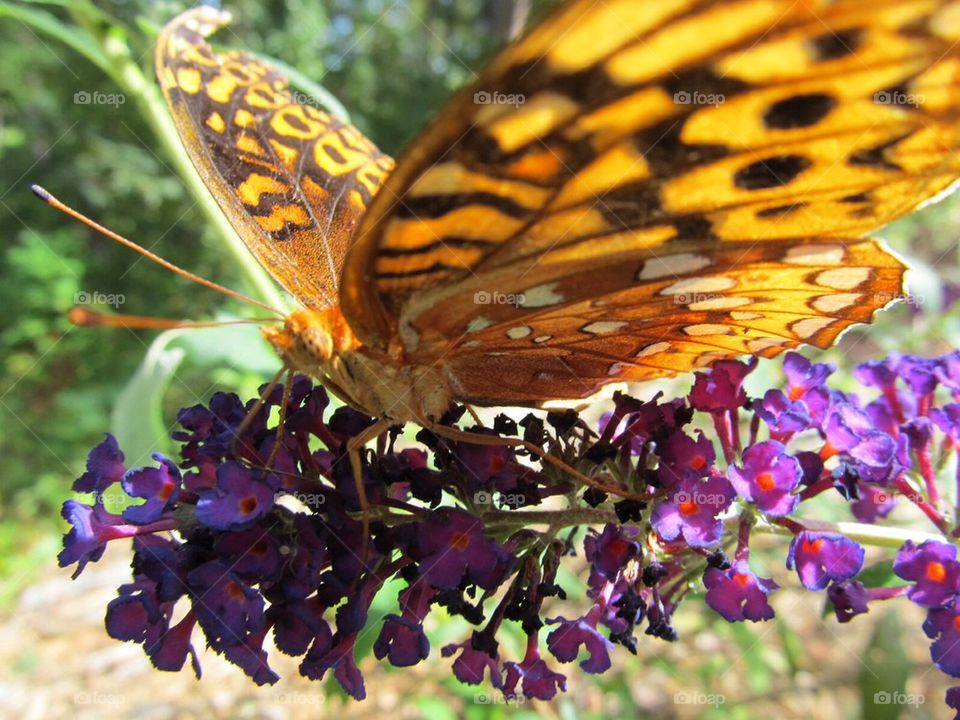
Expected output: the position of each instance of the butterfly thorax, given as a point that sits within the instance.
(321, 344)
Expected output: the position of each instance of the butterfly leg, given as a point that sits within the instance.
(354, 447)
(252, 413)
(477, 439)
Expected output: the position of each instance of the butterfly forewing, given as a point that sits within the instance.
(292, 179)
(729, 135)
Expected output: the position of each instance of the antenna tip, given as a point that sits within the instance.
(41, 193)
(81, 317)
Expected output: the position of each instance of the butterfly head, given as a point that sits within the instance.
(309, 340)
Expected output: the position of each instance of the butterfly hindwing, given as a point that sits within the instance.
(292, 179)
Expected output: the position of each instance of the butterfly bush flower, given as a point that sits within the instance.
(250, 535)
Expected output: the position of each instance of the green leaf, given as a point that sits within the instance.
(238, 346)
(880, 575)
(883, 677)
(138, 415)
(49, 25)
(751, 653)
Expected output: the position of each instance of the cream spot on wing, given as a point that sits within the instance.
(542, 338)
(815, 255)
(807, 327)
(518, 332)
(541, 296)
(708, 329)
(601, 327)
(216, 122)
(719, 303)
(759, 344)
(654, 349)
(740, 315)
(471, 344)
(695, 285)
(844, 278)
(478, 324)
(678, 264)
(834, 303)
(616, 368)
(708, 358)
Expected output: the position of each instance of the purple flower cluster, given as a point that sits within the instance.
(259, 531)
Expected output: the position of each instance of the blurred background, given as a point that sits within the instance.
(76, 117)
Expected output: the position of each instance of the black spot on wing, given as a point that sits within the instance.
(835, 45)
(434, 206)
(772, 172)
(799, 111)
(780, 210)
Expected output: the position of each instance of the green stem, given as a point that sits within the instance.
(554, 518)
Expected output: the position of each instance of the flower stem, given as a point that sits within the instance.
(863, 533)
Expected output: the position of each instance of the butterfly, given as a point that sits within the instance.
(633, 189)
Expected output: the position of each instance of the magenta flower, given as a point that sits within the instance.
(768, 478)
(822, 557)
(737, 594)
(934, 569)
(692, 511)
(943, 627)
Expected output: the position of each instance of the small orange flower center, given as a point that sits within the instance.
(741, 579)
(956, 622)
(247, 505)
(688, 507)
(460, 541)
(765, 481)
(936, 572)
(812, 546)
(698, 462)
(496, 463)
(795, 392)
(828, 450)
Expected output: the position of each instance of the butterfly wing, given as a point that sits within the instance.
(292, 179)
(626, 155)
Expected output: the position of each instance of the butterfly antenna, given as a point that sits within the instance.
(82, 317)
(93, 225)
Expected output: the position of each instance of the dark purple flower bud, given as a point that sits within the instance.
(335, 654)
(402, 641)
(849, 599)
(104, 467)
(565, 642)
(692, 511)
(239, 497)
(821, 557)
(160, 487)
(943, 627)
(934, 569)
(535, 677)
(721, 388)
(952, 699)
(654, 573)
(226, 608)
(475, 661)
(737, 594)
(768, 478)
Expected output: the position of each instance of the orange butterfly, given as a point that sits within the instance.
(633, 189)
